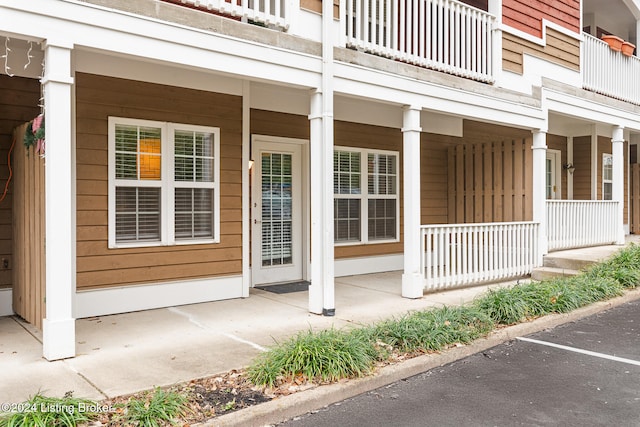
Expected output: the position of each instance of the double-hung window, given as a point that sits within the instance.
(366, 207)
(163, 183)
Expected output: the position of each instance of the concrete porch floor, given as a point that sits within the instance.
(126, 353)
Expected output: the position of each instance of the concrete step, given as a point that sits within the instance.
(566, 263)
(543, 273)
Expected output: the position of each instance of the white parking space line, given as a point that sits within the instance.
(578, 350)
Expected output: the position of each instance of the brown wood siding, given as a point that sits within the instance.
(316, 6)
(28, 232)
(560, 49)
(527, 15)
(97, 98)
(582, 173)
(19, 99)
(434, 171)
(557, 142)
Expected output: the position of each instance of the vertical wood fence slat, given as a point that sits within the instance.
(28, 232)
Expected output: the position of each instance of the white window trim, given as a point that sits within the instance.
(167, 184)
(364, 196)
(607, 181)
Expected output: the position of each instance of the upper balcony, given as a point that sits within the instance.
(444, 35)
(606, 70)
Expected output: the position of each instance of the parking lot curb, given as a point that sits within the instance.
(286, 407)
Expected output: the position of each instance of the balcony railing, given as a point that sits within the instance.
(608, 72)
(465, 254)
(444, 35)
(581, 223)
(270, 13)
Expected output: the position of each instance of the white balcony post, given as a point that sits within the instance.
(58, 327)
(495, 8)
(412, 279)
(539, 194)
(617, 191)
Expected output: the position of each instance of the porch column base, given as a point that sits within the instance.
(412, 286)
(58, 338)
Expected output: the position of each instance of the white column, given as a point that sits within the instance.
(570, 163)
(617, 191)
(321, 291)
(594, 163)
(495, 8)
(246, 208)
(539, 192)
(58, 328)
(412, 279)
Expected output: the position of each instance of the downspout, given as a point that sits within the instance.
(327, 138)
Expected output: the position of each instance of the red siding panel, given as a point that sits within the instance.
(527, 15)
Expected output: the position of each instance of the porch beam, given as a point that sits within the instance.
(413, 277)
(58, 327)
(617, 191)
(539, 148)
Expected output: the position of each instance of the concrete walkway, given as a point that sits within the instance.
(126, 353)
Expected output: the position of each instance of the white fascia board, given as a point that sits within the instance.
(588, 110)
(100, 302)
(353, 80)
(123, 33)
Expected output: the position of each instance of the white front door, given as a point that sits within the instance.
(552, 174)
(276, 218)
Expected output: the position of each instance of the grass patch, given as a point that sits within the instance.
(42, 411)
(154, 409)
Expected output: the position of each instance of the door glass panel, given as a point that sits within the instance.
(549, 180)
(276, 209)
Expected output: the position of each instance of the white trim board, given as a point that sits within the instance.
(101, 302)
(367, 265)
(6, 302)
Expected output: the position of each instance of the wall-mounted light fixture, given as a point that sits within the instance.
(569, 168)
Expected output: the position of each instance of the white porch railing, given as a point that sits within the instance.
(581, 223)
(444, 35)
(461, 254)
(271, 13)
(608, 72)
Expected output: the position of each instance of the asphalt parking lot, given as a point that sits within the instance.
(584, 373)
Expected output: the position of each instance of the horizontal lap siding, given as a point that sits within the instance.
(434, 177)
(582, 163)
(98, 98)
(559, 48)
(19, 99)
(527, 15)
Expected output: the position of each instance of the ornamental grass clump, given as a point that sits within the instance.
(153, 410)
(326, 356)
(431, 330)
(43, 411)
